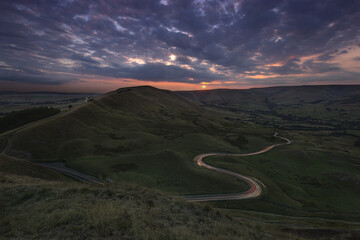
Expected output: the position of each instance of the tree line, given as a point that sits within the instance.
(18, 118)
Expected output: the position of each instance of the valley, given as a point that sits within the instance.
(149, 137)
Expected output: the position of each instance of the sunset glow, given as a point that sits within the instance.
(227, 44)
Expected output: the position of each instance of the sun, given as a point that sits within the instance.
(203, 86)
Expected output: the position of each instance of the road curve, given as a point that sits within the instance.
(61, 168)
(56, 166)
(255, 186)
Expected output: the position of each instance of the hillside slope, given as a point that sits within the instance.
(142, 135)
(46, 208)
(142, 108)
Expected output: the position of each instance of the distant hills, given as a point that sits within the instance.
(332, 107)
(17, 101)
(291, 94)
(45, 93)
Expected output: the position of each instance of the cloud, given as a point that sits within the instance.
(321, 67)
(154, 72)
(34, 77)
(48, 41)
(292, 66)
(83, 59)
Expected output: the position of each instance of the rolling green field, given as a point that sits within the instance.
(37, 203)
(320, 170)
(142, 135)
(150, 137)
(314, 173)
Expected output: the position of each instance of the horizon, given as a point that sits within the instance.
(88, 46)
(59, 92)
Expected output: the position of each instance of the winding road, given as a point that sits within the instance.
(255, 188)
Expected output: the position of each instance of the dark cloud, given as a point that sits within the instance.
(154, 72)
(183, 59)
(290, 67)
(33, 76)
(326, 56)
(320, 67)
(46, 41)
(83, 59)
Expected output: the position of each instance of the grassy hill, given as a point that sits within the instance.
(149, 137)
(141, 135)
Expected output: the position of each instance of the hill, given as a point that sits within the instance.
(299, 107)
(142, 135)
(290, 94)
(148, 136)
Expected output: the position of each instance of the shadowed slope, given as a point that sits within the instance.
(141, 108)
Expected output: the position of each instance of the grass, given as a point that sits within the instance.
(156, 131)
(309, 174)
(163, 165)
(32, 208)
(39, 209)
(149, 137)
(158, 135)
(320, 170)
(21, 167)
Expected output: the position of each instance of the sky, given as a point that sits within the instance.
(99, 46)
